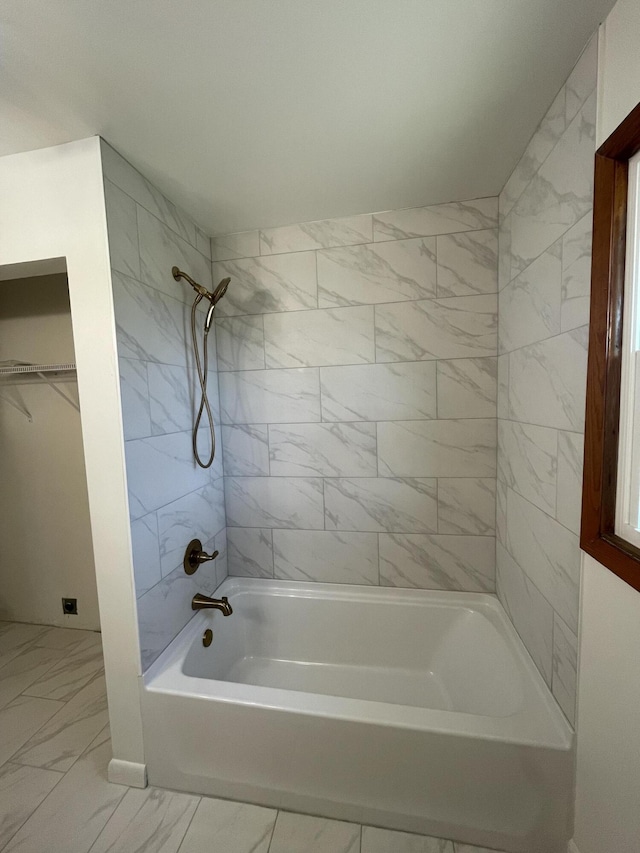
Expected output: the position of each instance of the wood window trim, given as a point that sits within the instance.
(597, 536)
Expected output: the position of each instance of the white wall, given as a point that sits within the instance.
(44, 508)
(51, 206)
(608, 770)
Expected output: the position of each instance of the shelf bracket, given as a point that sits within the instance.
(19, 406)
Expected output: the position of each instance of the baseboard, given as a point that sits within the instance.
(572, 848)
(127, 773)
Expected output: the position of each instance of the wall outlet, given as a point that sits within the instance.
(70, 606)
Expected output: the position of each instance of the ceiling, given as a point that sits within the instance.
(254, 113)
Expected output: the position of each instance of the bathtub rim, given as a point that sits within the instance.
(540, 722)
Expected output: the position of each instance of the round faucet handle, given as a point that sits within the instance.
(194, 556)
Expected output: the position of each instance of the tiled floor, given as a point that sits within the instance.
(55, 798)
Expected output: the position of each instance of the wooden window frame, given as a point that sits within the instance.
(597, 535)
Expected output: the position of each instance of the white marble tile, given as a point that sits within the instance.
(528, 609)
(275, 502)
(459, 327)
(325, 336)
(17, 675)
(294, 833)
(66, 639)
(20, 719)
(474, 215)
(58, 744)
(583, 79)
(122, 173)
(149, 325)
(327, 450)
(444, 448)
(467, 387)
(221, 826)
(375, 840)
(146, 552)
(317, 235)
(467, 505)
(501, 511)
(380, 272)
(250, 552)
(16, 637)
(274, 283)
(565, 665)
(381, 504)
(203, 243)
(529, 306)
(325, 556)
(570, 463)
(379, 392)
(227, 247)
(240, 342)
(541, 144)
(547, 552)
(161, 469)
(246, 450)
(221, 565)
(160, 250)
(148, 821)
(576, 274)
(503, 386)
(547, 381)
(122, 230)
(467, 263)
(504, 252)
(134, 392)
(270, 396)
(68, 676)
(76, 810)
(164, 611)
(22, 789)
(527, 462)
(197, 515)
(437, 562)
(559, 195)
(171, 396)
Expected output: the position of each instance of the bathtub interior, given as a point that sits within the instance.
(392, 649)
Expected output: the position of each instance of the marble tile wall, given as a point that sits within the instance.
(171, 500)
(358, 380)
(544, 278)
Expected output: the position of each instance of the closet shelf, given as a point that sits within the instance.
(13, 368)
(27, 372)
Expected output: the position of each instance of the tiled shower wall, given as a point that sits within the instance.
(171, 500)
(545, 253)
(357, 369)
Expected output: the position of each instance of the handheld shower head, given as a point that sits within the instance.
(220, 291)
(214, 297)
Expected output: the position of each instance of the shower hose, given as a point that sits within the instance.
(202, 376)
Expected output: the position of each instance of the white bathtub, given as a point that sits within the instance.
(408, 709)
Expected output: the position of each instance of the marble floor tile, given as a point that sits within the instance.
(23, 670)
(22, 789)
(20, 719)
(16, 637)
(147, 821)
(62, 638)
(295, 833)
(221, 826)
(58, 744)
(375, 840)
(72, 816)
(68, 676)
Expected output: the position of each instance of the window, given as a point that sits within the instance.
(610, 529)
(628, 498)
